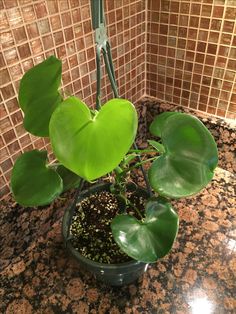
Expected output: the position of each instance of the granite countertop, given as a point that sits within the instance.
(198, 276)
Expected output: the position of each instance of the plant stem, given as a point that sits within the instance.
(139, 164)
(142, 151)
(136, 209)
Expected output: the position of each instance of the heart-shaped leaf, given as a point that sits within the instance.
(92, 146)
(150, 239)
(32, 183)
(39, 96)
(189, 159)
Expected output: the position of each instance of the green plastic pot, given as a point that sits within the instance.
(112, 274)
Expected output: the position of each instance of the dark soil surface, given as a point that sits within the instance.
(91, 230)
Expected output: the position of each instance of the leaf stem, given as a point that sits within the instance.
(135, 208)
(142, 151)
(139, 164)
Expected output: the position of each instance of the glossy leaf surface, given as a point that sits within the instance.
(92, 146)
(32, 183)
(189, 160)
(39, 96)
(150, 239)
(159, 122)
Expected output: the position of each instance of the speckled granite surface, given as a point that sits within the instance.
(198, 276)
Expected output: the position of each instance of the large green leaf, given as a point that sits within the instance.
(189, 160)
(39, 96)
(151, 238)
(69, 178)
(158, 123)
(32, 183)
(92, 146)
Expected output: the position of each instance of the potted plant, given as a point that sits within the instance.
(114, 228)
(92, 144)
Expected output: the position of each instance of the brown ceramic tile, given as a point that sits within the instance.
(227, 86)
(20, 130)
(3, 111)
(213, 37)
(55, 22)
(36, 46)
(202, 35)
(25, 140)
(11, 56)
(204, 23)
(228, 26)
(232, 52)
(9, 136)
(40, 9)
(4, 23)
(194, 21)
(201, 46)
(14, 17)
(216, 24)
(19, 35)
(63, 5)
(7, 91)
(4, 77)
(9, 4)
(225, 39)
(52, 7)
(43, 26)
(32, 30)
(231, 64)
(195, 8)
(221, 62)
(211, 49)
(6, 165)
(24, 51)
(7, 39)
(66, 19)
(58, 37)
(212, 102)
(5, 125)
(223, 51)
(230, 13)
(218, 11)
(13, 147)
(47, 42)
(28, 13)
(12, 105)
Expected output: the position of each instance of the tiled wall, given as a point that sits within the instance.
(31, 30)
(191, 54)
(181, 52)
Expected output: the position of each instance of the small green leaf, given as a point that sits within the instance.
(39, 96)
(159, 122)
(128, 158)
(189, 160)
(92, 146)
(32, 183)
(69, 178)
(150, 239)
(158, 146)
